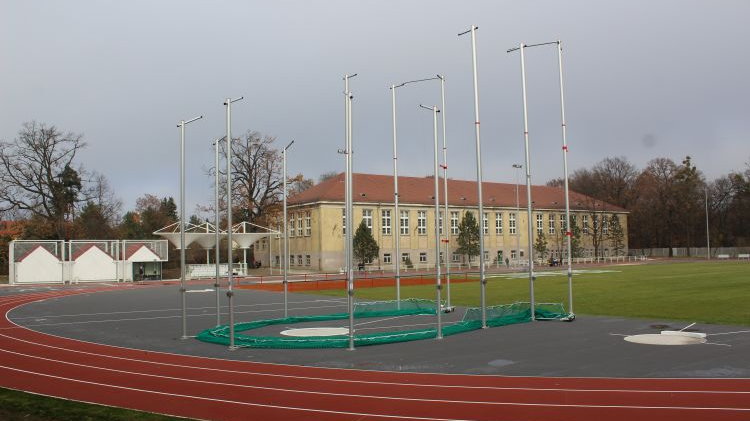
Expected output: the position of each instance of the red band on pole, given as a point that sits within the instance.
(444, 241)
(476, 122)
(568, 233)
(565, 148)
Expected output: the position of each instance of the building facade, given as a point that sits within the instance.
(316, 222)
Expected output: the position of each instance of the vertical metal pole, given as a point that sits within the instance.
(217, 255)
(708, 236)
(396, 216)
(349, 215)
(568, 231)
(182, 230)
(438, 286)
(286, 240)
(445, 198)
(528, 183)
(230, 292)
(482, 278)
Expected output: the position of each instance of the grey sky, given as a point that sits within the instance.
(643, 79)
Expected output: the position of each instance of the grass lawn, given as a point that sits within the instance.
(716, 292)
(19, 406)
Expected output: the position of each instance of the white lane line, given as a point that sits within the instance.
(189, 308)
(522, 404)
(405, 384)
(377, 321)
(728, 333)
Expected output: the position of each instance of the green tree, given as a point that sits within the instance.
(575, 241)
(468, 236)
(616, 235)
(365, 246)
(91, 223)
(540, 245)
(131, 227)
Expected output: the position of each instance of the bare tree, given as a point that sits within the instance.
(39, 178)
(326, 175)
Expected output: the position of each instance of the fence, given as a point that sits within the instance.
(689, 252)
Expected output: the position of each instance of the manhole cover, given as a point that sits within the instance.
(659, 339)
(316, 331)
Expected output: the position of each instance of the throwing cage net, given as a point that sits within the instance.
(500, 315)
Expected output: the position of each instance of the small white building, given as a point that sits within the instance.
(137, 257)
(38, 265)
(92, 263)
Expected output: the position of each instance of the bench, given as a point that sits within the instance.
(722, 256)
(743, 256)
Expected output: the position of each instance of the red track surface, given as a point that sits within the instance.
(208, 388)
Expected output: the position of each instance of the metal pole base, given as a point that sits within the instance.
(448, 309)
(233, 348)
(182, 338)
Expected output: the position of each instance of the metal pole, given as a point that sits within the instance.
(183, 290)
(217, 255)
(286, 239)
(438, 286)
(482, 278)
(230, 292)
(568, 231)
(528, 183)
(445, 199)
(396, 216)
(708, 236)
(348, 206)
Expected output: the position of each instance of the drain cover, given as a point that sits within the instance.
(316, 331)
(666, 339)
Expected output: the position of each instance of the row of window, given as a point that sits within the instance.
(300, 218)
(385, 222)
(298, 260)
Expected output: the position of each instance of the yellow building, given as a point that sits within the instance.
(316, 221)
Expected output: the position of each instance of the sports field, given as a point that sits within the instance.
(712, 292)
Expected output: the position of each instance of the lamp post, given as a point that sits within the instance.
(286, 237)
(182, 125)
(438, 306)
(482, 278)
(217, 254)
(348, 206)
(518, 210)
(230, 292)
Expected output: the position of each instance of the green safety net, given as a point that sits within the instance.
(500, 315)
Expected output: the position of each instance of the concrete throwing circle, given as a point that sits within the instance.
(316, 331)
(658, 339)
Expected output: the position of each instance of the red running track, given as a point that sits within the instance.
(215, 389)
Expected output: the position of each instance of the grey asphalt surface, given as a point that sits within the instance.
(591, 346)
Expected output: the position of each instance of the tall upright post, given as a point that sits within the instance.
(529, 222)
(445, 198)
(436, 176)
(396, 216)
(286, 239)
(568, 231)
(217, 253)
(482, 278)
(708, 236)
(349, 208)
(183, 290)
(230, 292)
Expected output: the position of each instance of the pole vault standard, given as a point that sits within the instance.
(182, 125)
(397, 216)
(449, 307)
(348, 206)
(438, 301)
(286, 239)
(482, 278)
(568, 231)
(230, 292)
(217, 254)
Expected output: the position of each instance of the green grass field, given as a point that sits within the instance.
(716, 292)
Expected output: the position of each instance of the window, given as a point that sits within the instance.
(585, 224)
(605, 225)
(563, 225)
(512, 222)
(440, 222)
(552, 223)
(291, 260)
(308, 224)
(498, 223)
(343, 221)
(404, 222)
(299, 260)
(456, 257)
(485, 224)
(499, 256)
(520, 252)
(277, 260)
(486, 256)
(404, 257)
(421, 222)
(367, 217)
(299, 226)
(385, 222)
(422, 257)
(539, 223)
(512, 254)
(307, 260)
(291, 225)
(454, 223)
(441, 258)
(387, 258)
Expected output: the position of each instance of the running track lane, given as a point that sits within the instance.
(209, 388)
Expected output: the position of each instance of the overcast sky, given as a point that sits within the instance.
(643, 79)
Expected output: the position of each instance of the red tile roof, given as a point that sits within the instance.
(372, 188)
